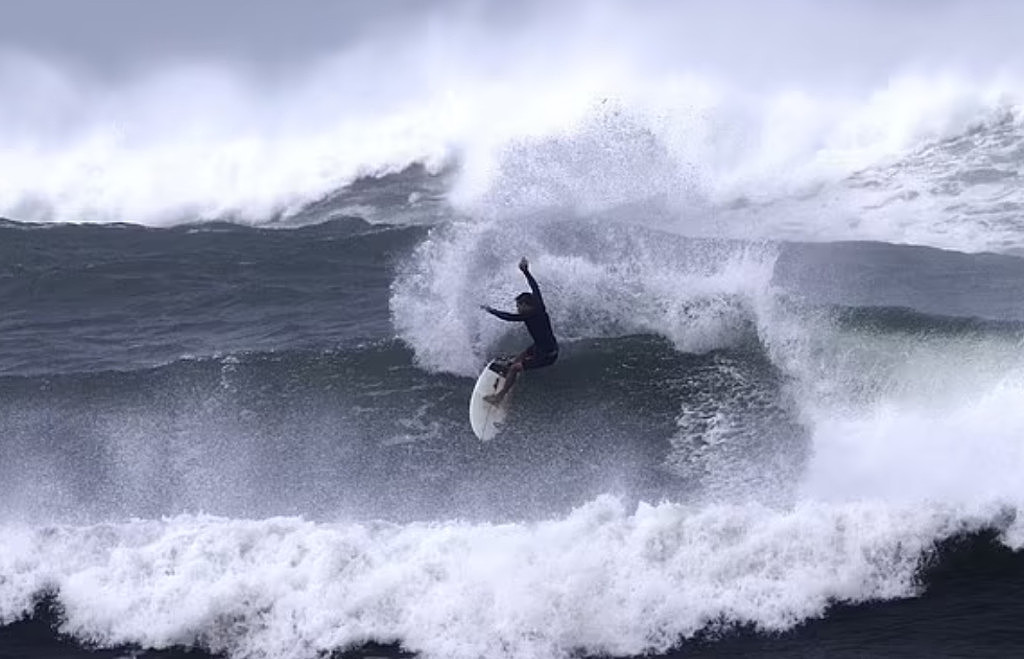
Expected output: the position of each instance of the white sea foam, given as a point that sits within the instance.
(602, 579)
(669, 102)
(914, 417)
(913, 438)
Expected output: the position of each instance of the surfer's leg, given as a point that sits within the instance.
(514, 369)
(510, 379)
(540, 360)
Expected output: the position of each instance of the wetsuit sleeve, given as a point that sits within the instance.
(535, 289)
(505, 315)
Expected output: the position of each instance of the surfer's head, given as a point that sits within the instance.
(525, 303)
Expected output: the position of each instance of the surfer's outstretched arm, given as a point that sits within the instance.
(504, 315)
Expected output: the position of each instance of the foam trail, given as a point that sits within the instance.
(602, 580)
(599, 280)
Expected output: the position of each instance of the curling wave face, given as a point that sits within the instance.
(894, 151)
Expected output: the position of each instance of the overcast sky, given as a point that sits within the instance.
(112, 38)
(116, 36)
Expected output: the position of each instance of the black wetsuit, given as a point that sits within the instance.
(544, 350)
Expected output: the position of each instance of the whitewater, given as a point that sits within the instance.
(628, 105)
(780, 246)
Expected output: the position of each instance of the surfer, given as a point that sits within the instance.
(530, 310)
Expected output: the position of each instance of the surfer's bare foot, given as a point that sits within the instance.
(493, 399)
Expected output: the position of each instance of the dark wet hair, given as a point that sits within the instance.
(526, 298)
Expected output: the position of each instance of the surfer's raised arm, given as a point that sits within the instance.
(524, 267)
(527, 304)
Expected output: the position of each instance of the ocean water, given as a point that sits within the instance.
(241, 325)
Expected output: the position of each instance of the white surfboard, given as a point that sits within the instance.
(486, 418)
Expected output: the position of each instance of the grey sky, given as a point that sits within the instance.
(113, 38)
(117, 36)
